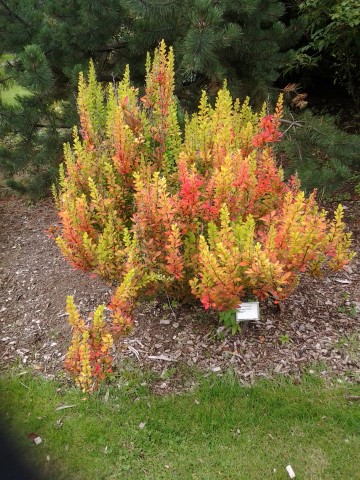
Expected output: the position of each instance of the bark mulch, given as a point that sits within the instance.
(317, 328)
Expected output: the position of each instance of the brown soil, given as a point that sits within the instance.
(318, 327)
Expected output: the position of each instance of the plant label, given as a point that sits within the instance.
(248, 311)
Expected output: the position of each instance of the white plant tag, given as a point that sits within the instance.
(248, 311)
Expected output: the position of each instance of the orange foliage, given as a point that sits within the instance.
(207, 213)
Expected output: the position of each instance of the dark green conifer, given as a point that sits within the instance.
(49, 43)
(323, 156)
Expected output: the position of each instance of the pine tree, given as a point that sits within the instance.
(322, 155)
(244, 41)
(50, 43)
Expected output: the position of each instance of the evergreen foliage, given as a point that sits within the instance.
(244, 41)
(323, 156)
(332, 42)
(51, 42)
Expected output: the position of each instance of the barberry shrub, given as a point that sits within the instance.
(89, 357)
(203, 213)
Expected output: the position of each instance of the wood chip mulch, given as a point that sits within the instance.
(317, 328)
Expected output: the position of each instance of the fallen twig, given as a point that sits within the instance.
(160, 357)
(63, 407)
(353, 398)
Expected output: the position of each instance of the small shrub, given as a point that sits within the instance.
(228, 318)
(89, 359)
(204, 214)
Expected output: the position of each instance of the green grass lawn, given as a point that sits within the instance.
(222, 430)
(8, 96)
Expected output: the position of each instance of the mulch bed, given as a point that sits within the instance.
(317, 328)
